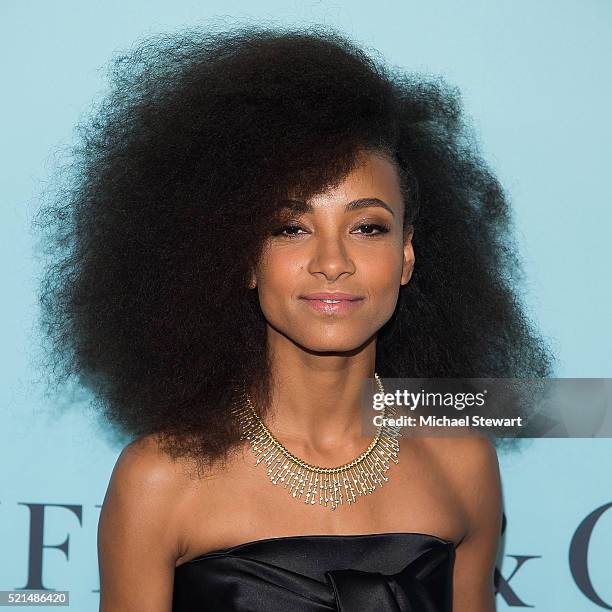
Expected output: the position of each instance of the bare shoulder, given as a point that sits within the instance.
(471, 465)
(139, 533)
(142, 463)
(464, 457)
(144, 475)
(471, 468)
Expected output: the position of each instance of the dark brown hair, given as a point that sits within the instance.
(168, 201)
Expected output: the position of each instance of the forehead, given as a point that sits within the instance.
(373, 182)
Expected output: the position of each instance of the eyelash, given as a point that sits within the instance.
(381, 230)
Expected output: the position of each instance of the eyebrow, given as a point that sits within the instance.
(304, 207)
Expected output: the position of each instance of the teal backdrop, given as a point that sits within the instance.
(536, 81)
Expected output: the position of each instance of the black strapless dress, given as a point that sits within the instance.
(399, 572)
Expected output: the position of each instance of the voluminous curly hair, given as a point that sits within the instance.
(172, 188)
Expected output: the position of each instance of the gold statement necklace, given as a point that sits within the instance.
(329, 485)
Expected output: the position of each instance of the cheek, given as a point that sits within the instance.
(276, 281)
(383, 275)
(383, 271)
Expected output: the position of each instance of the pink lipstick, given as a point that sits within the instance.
(332, 302)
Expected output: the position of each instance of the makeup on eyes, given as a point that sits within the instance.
(374, 228)
(378, 230)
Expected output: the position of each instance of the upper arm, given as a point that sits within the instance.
(138, 543)
(473, 586)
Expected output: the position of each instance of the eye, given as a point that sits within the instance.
(370, 230)
(378, 229)
(281, 231)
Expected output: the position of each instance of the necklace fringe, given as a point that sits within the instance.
(333, 486)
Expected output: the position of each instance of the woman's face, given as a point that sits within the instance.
(348, 239)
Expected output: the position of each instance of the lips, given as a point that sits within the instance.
(338, 295)
(332, 303)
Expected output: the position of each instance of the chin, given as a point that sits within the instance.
(339, 343)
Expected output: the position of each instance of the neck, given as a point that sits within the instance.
(316, 398)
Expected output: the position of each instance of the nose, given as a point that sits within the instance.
(330, 257)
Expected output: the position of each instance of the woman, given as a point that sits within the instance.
(261, 221)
